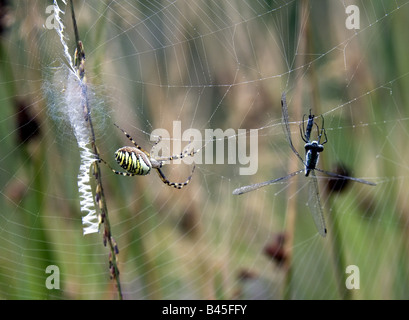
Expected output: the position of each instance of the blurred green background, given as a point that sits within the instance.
(208, 64)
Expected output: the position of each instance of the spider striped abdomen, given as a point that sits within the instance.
(133, 160)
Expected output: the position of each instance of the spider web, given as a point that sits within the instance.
(207, 65)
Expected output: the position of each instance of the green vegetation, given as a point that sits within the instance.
(223, 65)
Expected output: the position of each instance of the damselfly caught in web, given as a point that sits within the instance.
(312, 151)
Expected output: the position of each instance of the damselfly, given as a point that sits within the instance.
(312, 152)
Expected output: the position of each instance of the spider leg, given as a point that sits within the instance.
(133, 141)
(181, 155)
(157, 141)
(176, 185)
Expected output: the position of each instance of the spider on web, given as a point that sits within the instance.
(312, 151)
(137, 161)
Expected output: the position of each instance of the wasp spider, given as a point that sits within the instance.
(137, 161)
